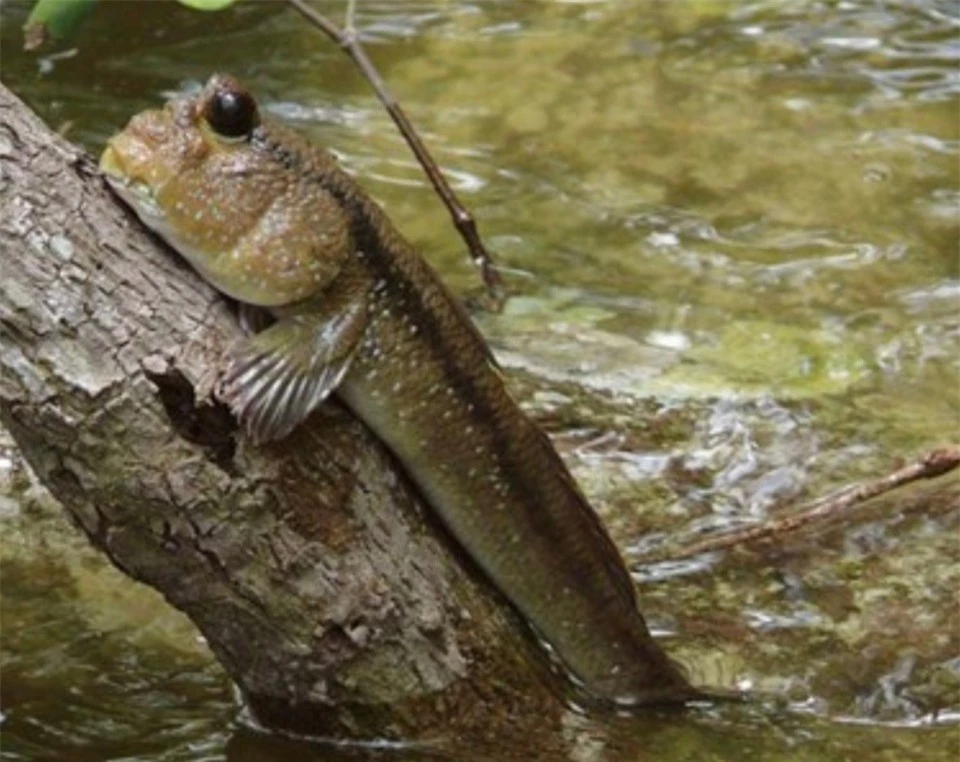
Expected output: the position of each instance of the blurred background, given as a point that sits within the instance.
(730, 231)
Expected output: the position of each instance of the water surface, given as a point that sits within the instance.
(731, 232)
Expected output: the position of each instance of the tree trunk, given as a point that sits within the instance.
(334, 601)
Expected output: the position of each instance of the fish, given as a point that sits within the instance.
(274, 222)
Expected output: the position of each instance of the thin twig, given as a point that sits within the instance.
(933, 464)
(349, 27)
(348, 39)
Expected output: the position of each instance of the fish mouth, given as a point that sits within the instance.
(136, 194)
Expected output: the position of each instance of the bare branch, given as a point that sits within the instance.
(829, 508)
(348, 39)
(349, 25)
(308, 565)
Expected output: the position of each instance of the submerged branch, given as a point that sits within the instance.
(826, 509)
(463, 220)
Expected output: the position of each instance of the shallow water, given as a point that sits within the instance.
(731, 232)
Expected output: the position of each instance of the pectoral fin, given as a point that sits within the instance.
(276, 378)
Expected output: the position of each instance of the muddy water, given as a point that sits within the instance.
(731, 232)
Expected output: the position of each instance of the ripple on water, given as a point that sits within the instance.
(751, 212)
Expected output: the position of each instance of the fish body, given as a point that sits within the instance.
(272, 220)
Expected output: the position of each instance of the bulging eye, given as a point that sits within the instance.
(231, 112)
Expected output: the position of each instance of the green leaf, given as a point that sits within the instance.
(207, 5)
(53, 18)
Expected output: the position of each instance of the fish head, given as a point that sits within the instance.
(228, 193)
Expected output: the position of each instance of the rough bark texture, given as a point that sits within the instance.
(322, 587)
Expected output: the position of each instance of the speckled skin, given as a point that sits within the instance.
(272, 220)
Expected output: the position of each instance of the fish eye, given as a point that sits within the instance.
(231, 113)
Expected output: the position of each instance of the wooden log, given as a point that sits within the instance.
(333, 600)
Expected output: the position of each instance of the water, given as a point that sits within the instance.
(731, 232)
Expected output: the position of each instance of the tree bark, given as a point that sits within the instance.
(332, 599)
